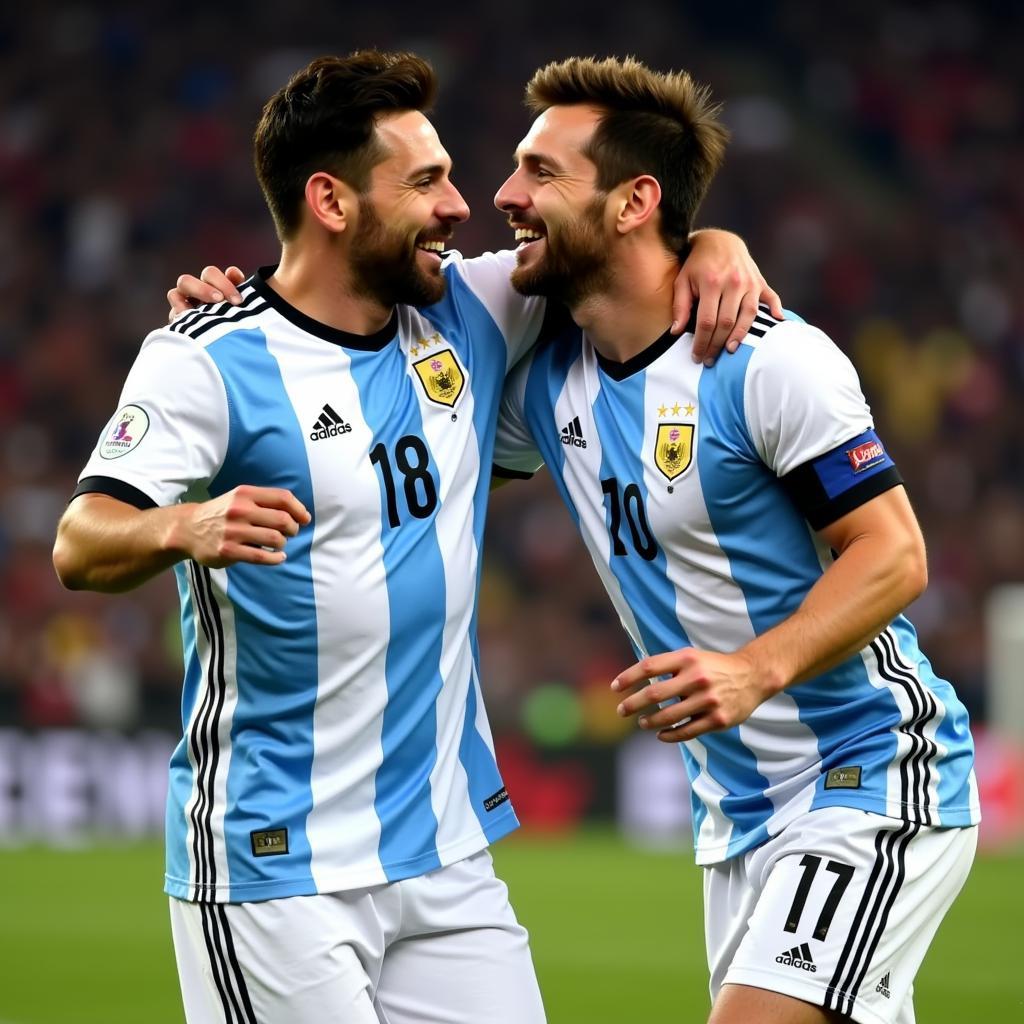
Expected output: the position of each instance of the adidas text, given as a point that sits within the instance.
(329, 424)
(331, 431)
(798, 956)
(572, 434)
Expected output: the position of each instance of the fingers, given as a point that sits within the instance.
(707, 320)
(222, 284)
(682, 306)
(233, 552)
(277, 498)
(743, 318)
(178, 301)
(649, 696)
(771, 299)
(653, 665)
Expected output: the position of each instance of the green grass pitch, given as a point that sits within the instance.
(616, 932)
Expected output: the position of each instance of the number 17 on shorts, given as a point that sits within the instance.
(838, 910)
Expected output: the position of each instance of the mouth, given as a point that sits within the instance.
(433, 247)
(527, 237)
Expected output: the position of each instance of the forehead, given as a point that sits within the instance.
(561, 132)
(411, 141)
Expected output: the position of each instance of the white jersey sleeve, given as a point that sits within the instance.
(802, 397)
(515, 451)
(518, 317)
(169, 435)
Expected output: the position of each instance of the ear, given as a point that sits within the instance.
(637, 203)
(330, 201)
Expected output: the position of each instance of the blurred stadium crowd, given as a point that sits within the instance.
(876, 170)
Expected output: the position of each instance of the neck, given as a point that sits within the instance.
(313, 277)
(635, 309)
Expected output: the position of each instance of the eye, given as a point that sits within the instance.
(543, 173)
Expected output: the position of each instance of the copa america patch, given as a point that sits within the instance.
(126, 430)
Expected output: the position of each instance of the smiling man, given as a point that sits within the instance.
(308, 461)
(758, 544)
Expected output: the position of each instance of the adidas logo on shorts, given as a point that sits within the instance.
(883, 986)
(798, 956)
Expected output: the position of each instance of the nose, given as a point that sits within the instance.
(511, 196)
(453, 207)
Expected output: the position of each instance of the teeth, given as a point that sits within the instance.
(432, 246)
(527, 235)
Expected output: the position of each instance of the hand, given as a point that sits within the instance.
(714, 691)
(247, 524)
(214, 285)
(721, 274)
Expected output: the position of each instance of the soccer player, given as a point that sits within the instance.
(308, 462)
(757, 542)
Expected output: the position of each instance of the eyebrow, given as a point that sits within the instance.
(431, 170)
(531, 157)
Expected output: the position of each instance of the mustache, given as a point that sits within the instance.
(519, 221)
(438, 234)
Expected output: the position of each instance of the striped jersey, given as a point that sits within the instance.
(334, 735)
(698, 492)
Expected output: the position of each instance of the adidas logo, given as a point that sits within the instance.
(330, 424)
(798, 956)
(883, 985)
(572, 434)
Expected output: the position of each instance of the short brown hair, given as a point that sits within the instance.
(662, 124)
(324, 120)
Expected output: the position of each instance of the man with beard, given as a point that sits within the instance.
(308, 461)
(745, 519)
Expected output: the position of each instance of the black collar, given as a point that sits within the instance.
(620, 371)
(367, 342)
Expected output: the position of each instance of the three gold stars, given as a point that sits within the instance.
(425, 343)
(689, 409)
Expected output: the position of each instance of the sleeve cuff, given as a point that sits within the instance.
(114, 488)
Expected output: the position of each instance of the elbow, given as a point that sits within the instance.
(69, 560)
(69, 572)
(914, 571)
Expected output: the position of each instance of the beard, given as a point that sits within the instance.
(575, 263)
(384, 265)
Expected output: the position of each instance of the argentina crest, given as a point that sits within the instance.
(441, 376)
(673, 448)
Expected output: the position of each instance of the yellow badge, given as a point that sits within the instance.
(441, 376)
(673, 448)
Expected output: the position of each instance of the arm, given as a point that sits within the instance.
(721, 274)
(108, 545)
(880, 569)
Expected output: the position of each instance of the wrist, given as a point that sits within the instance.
(770, 676)
(175, 541)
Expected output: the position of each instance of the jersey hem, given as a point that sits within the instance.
(955, 817)
(341, 881)
(798, 988)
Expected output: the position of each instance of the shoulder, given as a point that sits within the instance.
(487, 278)
(795, 350)
(503, 261)
(212, 321)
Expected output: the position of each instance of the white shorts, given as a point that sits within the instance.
(442, 947)
(837, 910)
